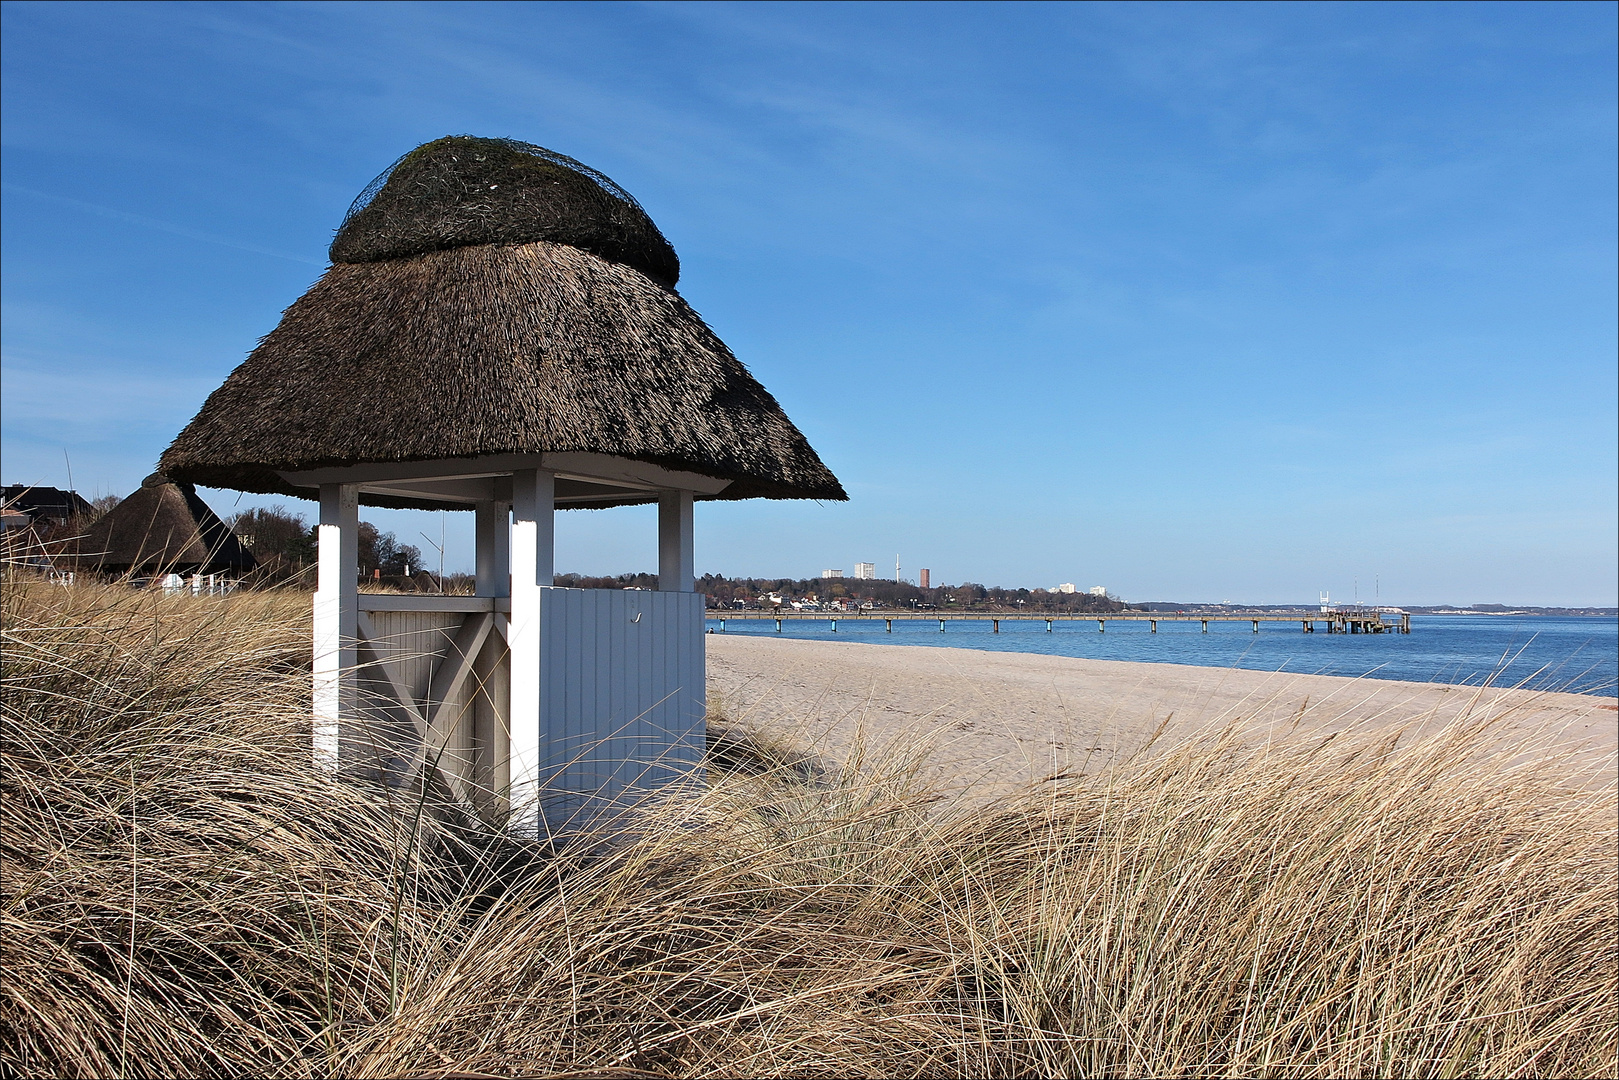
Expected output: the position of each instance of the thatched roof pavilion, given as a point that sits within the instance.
(489, 298)
(499, 331)
(162, 528)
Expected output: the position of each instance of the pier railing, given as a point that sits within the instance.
(1336, 621)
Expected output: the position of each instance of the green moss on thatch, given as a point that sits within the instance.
(461, 190)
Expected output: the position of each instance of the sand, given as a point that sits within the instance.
(995, 722)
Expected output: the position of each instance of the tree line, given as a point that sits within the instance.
(753, 593)
(726, 592)
(286, 545)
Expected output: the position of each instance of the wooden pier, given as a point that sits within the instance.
(1336, 620)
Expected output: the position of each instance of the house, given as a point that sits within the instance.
(43, 505)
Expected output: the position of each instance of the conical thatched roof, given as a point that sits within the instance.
(163, 527)
(508, 303)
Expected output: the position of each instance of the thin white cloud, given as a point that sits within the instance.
(70, 400)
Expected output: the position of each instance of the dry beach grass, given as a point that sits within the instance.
(184, 896)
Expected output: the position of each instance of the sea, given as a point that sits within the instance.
(1577, 654)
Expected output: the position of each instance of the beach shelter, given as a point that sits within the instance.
(499, 332)
(163, 528)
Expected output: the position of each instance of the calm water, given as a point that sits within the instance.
(1542, 652)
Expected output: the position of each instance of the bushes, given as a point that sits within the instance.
(183, 895)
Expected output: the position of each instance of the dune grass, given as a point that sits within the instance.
(183, 895)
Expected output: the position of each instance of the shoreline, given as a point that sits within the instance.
(996, 722)
(1581, 666)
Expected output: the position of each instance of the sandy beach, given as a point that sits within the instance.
(999, 722)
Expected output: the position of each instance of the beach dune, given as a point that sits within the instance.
(993, 722)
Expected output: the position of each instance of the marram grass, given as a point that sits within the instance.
(184, 896)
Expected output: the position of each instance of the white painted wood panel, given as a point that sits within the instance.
(621, 676)
(335, 695)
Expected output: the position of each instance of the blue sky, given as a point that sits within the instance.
(1196, 302)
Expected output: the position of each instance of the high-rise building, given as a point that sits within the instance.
(1098, 590)
(923, 580)
(1066, 587)
(831, 574)
(865, 571)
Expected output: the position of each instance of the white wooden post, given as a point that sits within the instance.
(336, 610)
(533, 555)
(493, 526)
(677, 564)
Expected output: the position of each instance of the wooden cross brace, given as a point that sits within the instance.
(432, 733)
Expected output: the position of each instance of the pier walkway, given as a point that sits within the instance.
(1336, 620)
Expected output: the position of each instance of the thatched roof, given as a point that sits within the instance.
(163, 527)
(476, 325)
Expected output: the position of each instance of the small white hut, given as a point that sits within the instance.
(499, 332)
